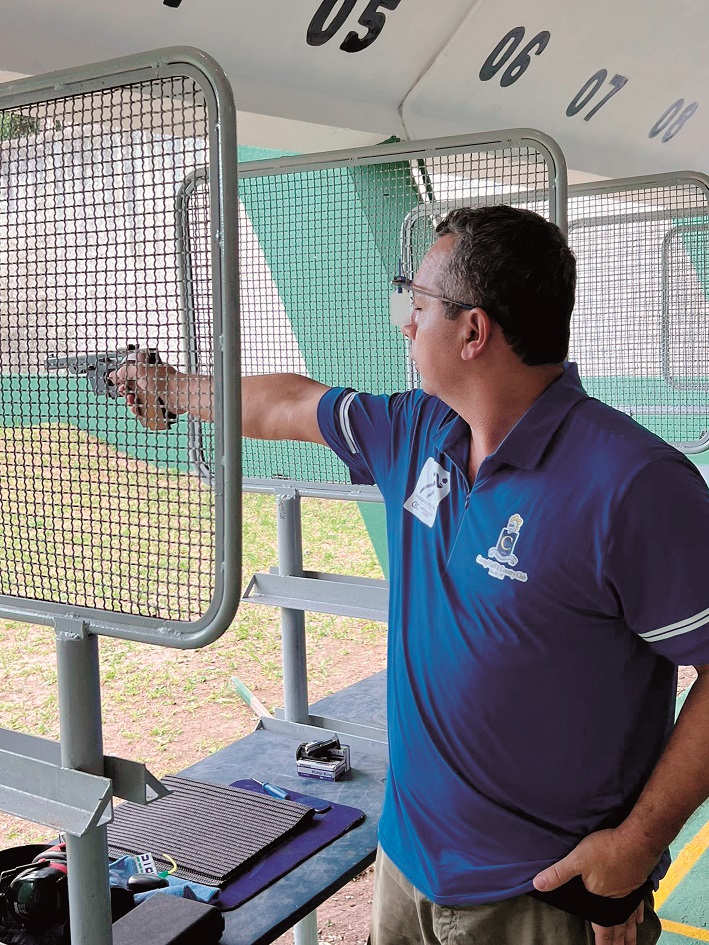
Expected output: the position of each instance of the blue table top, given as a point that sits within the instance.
(268, 756)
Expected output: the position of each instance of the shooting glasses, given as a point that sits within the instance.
(408, 285)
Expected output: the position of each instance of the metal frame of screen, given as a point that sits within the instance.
(647, 215)
(208, 78)
(70, 786)
(420, 155)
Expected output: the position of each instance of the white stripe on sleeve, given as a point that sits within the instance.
(345, 421)
(677, 629)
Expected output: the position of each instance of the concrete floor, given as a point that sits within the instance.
(682, 901)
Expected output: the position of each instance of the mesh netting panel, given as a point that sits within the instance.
(318, 249)
(518, 177)
(96, 510)
(640, 330)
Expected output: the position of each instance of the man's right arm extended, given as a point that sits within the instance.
(274, 406)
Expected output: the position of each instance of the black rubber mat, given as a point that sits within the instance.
(211, 831)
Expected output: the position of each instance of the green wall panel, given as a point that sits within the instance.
(36, 399)
(332, 241)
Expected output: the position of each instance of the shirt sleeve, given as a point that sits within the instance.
(658, 556)
(358, 428)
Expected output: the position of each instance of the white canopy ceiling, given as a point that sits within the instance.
(621, 87)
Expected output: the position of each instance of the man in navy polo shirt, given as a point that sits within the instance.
(548, 573)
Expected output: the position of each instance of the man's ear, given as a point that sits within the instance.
(476, 329)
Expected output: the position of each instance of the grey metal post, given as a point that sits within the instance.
(82, 748)
(296, 707)
(305, 932)
(290, 562)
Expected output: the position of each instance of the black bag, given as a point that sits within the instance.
(13, 931)
(47, 922)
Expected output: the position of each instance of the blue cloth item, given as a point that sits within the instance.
(316, 834)
(120, 871)
(535, 619)
(183, 889)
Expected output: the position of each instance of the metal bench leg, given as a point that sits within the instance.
(305, 932)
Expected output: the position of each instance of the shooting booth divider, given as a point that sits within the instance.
(321, 237)
(104, 528)
(640, 330)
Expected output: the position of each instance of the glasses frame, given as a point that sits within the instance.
(402, 283)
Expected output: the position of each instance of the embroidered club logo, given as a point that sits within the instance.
(503, 550)
(501, 558)
(434, 484)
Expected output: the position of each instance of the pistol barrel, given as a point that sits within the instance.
(80, 364)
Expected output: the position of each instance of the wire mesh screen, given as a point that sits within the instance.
(640, 330)
(517, 176)
(98, 511)
(320, 241)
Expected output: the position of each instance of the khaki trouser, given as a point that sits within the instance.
(403, 916)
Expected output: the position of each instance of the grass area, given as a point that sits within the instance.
(165, 707)
(83, 524)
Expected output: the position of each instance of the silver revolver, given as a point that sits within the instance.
(150, 409)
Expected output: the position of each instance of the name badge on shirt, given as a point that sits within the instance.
(434, 484)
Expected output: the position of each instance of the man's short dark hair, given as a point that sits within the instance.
(519, 268)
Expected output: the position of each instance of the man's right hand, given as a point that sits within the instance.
(151, 389)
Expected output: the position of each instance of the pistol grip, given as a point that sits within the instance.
(149, 407)
(151, 411)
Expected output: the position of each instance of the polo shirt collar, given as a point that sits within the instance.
(526, 442)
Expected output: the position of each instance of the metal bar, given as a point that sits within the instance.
(186, 302)
(377, 746)
(295, 666)
(665, 312)
(644, 216)
(314, 490)
(140, 67)
(653, 410)
(130, 780)
(111, 624)
(558, 178)
(29, 746)
(699, 446)
(347, 599)
(79, 683)
(342, 726)
(405, 150)
(305, 932)
(376, 583)
(650, 181)
(290, 563)
(40, 791)
(226, 339)
(350, 728)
